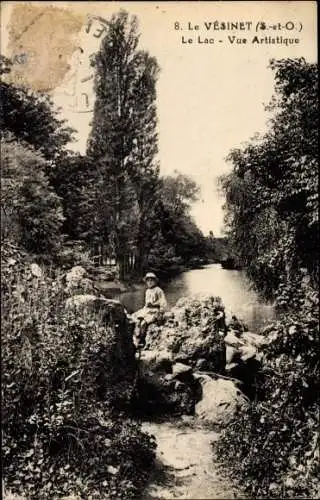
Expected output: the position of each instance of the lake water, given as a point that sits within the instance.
(232, 286)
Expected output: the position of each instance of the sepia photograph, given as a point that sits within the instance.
(159, 263)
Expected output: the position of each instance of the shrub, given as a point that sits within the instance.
(33, 209)
(274, 446)
(66, 386)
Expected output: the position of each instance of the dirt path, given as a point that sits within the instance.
(185, 466)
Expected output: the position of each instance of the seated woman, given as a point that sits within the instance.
(155, 305)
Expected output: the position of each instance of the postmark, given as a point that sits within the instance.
(77, 87)
(40, 39)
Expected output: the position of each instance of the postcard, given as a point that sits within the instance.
(159, 224)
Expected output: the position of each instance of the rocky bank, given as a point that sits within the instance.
(185, 390)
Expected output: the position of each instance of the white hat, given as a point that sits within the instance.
(150, 276)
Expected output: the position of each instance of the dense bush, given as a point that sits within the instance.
(272, 202)
(30, 116)
(33, 209)
(66, 386)
(273, 213)
(274, 446)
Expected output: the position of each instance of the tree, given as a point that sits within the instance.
(173, 237)
(271, 194)
(123, 141)
(74, 180)
(179, 192)
(31, 205)
(32, 117)
(272, 213)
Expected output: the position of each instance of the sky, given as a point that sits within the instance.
(210, 97)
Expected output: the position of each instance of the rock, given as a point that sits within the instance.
(79, 301)
(254, 339)
(36, 270)
(86, 285)
(202, 365)
(231, 354)
(111, 310)
(196, 332)
(249, 373)
(180, 368)
(221, 399)
(247, 352)
(161, 395)
(183, 373)
(231, 339)
(243, 347)
(160, 361)
(161, 364)
(207, 346)
(178, 314)
(168, 316)
(112, 470)
(195, 339)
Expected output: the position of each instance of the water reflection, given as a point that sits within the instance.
(232, 286)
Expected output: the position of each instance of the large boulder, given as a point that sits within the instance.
(221, 399)
(193, 342)
(160, 394)
(164, 387)
(193, 330)
(110, 310)
(76, 273)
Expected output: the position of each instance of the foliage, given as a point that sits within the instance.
(123, 141)
(274, 445)
(75, 180)
(272, 212)
(112, 198)
(134, 209)
(272, 191)
(33, 144)
(173, 239)
(32, 207)
(217, 248)
(65, 379)
(178, 192)
(31, 117)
